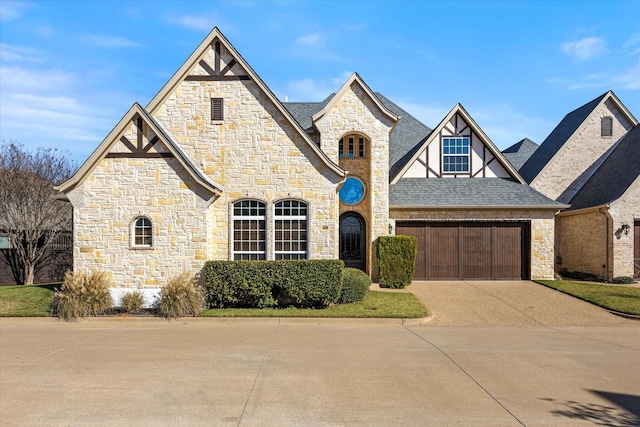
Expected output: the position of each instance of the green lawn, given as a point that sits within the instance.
(620, 298)
(26, 301)
(375, 304)
(36, 301)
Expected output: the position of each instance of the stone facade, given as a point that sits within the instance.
(581, 155)
(593, 241)
(355, 111)
(254, 153)
(541, 232)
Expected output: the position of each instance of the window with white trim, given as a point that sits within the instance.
(290, 230)
(249, 231)
(143, 232)
(455, 154)
(351, 146)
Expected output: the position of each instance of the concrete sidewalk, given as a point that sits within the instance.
(308, 372)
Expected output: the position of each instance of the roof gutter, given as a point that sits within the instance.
(475, 207)
(583, 210)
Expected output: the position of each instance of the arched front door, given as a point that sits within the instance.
(353, 240)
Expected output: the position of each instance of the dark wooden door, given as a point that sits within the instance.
(450, 251)
(636, 249)
(353, 240)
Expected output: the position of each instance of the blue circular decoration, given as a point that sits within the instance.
(352, 191)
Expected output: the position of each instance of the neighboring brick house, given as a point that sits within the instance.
(591, 161)
(216, 167)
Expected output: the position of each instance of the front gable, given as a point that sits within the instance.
(216, 100)
(457, 148)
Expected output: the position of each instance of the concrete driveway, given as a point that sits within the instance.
(507, 303)
(333, 372)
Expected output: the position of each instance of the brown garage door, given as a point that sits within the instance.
(469, 250)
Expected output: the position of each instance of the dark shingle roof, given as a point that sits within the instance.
(303, 111)
(403, 141)
(467, 192)
(556, 139)
(614, 176)
(520, 152)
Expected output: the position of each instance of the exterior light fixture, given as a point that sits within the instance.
(390, 228)
(625, 228)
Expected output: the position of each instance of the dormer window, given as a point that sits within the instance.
(606, 126)
(455, 154)
(351, 146)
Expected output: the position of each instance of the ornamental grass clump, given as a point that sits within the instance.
(132, 302)
(180, 297)
(83, 295)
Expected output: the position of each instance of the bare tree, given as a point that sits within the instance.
(30, 216)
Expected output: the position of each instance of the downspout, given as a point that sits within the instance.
(605, 212)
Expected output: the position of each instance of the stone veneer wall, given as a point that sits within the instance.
(565, 174)
(356, 112)
(581, 243)
(542, 230)
(116, 193)
(254, 153)
(625, 210)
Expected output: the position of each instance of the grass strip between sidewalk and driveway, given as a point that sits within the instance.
(620, 298)
(36, 301)
(399, 305)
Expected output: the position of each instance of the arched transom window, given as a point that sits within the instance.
(249, 240)
(352, 146)
(143, 232)
(290, 230)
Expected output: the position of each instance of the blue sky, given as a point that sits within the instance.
(69, 70)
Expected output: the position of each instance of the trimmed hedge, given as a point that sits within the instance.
(355, 284)
(396, 257)
(623, 280)
(260, 284)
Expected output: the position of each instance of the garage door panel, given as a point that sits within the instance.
(475, 252)
(442, 252)
(507, 252)
(469, 250)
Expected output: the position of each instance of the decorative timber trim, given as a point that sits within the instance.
(139, 151)
(216, 74)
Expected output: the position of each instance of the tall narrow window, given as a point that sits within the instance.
(606, 126)
(143, 232)
(249, 230)
(291, 230)
(217, 109)
(455, 154)
(352, 146)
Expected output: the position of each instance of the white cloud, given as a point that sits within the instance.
(10, 10)
(587, 48)
(111, 42)
(309, 40)
(10, 53)
(632, 46)
(628, 79)
(311, 90)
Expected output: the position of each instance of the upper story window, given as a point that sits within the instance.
(455, 154)
(290, 230)
(606, 126)
(352, 146)
(249, 230)
(143, 232)
(217, 109)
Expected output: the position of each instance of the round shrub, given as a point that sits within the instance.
(180, 297)
(355, 284)
(132, 302)
(623, 280)
(83, 295)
